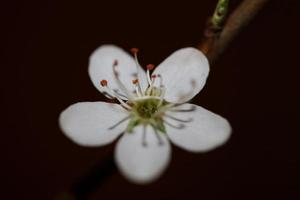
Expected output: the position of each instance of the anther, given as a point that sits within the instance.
(134, 50)
(103, 83)
(150, 67)
(135, 81)
(177, 126)
(119, 122)
(138, 89)
(153, 76)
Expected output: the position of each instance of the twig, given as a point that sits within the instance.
(215, 42)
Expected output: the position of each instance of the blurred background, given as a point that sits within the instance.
(255, 85)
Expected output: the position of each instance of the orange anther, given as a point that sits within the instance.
(150, 67)
(103, 83)
(135, 81)
(134, 50)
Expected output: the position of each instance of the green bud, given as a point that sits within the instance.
(219, 14)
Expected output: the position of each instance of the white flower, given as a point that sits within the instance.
(152, 111)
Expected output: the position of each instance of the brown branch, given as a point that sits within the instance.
(215, 42)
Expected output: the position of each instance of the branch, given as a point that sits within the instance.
(216, 41)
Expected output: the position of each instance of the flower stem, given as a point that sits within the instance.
(216, 39)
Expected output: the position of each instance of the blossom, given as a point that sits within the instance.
(152, 110)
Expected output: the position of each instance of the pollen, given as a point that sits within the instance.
(103, 83)
(150, 67)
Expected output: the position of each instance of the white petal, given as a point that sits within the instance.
(89, 123)
(139, 163)
(204, 132)
(184, 74)
(101, 67)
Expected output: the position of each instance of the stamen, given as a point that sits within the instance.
(162, 90)
(108, 95)
(125, 105)
(134, 51)
(149, 89)
(119, 82)
(120, 94)
(149, 68)
(180, 126)
(161, 97)
(167, 107)
(160, 80)
(119, 122)
(153, 77)
(180, 120)
(160, 142)
(144, 142)
(193, 108)
(104, 83)
(138, 90)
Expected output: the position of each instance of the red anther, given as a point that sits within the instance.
(135, 81)
(115, 63)
(103, 83)
(153, 76)
(134, 50)
(150, 67)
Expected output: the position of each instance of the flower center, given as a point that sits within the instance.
(147, 111)
(146, 108)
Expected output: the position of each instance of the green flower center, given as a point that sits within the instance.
(146, 108)
(147, 111)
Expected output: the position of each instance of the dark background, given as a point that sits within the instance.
(254, 84)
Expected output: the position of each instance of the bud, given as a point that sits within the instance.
(219, 14)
